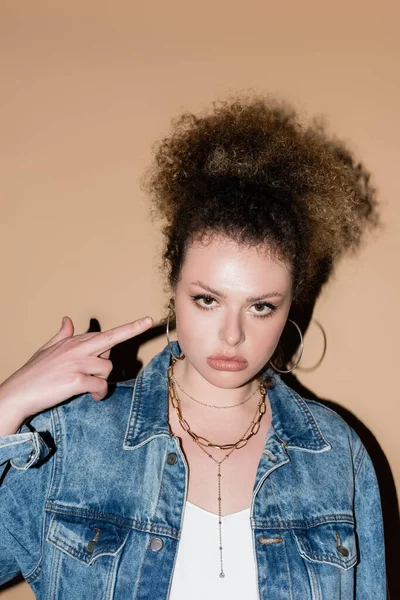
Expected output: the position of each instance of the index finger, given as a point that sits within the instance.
(107, 339)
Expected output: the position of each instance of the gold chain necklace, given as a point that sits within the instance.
(261, 409)
(201, 442)
(176, 382)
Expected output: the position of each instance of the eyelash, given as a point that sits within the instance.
(273, 307)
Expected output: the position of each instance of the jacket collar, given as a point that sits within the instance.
(292, 420)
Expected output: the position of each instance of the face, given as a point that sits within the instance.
(231, 305)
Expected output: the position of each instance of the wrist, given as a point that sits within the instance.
(11, 415)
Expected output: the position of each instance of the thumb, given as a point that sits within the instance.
(66, 330)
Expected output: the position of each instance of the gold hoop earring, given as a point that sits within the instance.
(301, 352)
(319, 361)
(181, 356)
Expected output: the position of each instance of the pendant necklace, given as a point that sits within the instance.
(203, 443)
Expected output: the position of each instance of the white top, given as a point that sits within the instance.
(197, 568)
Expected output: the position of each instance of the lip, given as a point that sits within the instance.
(222, 362)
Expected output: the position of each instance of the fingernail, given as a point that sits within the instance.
(145, 321)
(62, 322)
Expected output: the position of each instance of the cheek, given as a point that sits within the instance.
(264, 337)
(190, 324)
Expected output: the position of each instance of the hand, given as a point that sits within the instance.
(64, 366)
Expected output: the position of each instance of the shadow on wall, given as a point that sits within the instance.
(127, 366)
(390, 507)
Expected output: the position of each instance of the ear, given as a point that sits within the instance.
(171, 303)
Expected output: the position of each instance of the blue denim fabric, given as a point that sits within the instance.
(101, 516)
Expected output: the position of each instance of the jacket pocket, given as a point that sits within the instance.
(85, 555)
(86, 539)
(329, 551)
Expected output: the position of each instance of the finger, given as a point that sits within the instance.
(105, 354)
(82, 337)
(96, 386)
(106, 340)
(66, 330)
(97, 366)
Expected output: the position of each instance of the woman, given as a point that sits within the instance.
(206, 476)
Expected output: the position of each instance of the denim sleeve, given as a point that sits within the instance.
(25, 473)
(371, 569)
(23, 449)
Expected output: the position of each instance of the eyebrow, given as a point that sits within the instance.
(207, 288)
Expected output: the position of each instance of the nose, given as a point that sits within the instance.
(232, 331)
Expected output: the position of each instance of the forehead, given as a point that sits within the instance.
(228, 265)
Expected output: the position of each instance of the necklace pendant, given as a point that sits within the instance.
(203, 443)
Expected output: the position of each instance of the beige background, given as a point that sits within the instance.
(87, 86)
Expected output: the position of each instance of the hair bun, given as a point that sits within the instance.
(229, 162)
(249, 169)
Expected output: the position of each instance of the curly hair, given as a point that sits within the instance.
(248, 169)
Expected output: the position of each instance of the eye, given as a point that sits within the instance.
(203, 301)
(262, 309)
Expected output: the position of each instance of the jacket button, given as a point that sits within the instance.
(343, 551)
(156, 544)
(171, 458)
(91, 546)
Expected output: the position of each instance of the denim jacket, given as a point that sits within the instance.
(92, 498)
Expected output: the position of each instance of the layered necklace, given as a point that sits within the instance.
(203, 443)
